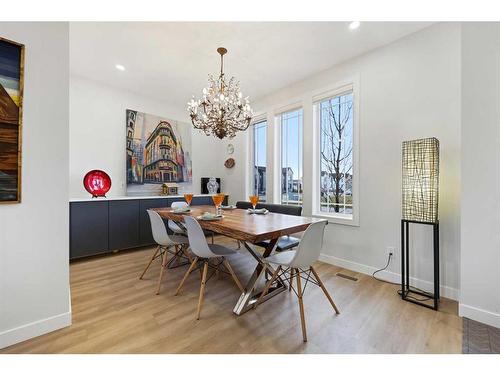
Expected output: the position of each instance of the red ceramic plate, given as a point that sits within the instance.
(97, 183)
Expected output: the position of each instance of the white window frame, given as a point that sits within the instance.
(279, 149)
(261, 117)
(255, 123)
(336, 90)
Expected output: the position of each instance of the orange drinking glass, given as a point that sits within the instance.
(188, 198)
(218, 199)
(254, 199)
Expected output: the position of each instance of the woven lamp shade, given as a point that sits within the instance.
(421, 180)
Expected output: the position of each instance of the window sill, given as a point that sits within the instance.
(332, 219)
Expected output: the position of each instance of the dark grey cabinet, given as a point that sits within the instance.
(103, 226)
(123, 224)
(88, 228)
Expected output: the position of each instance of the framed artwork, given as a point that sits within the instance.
(11, 110)
(158, 154)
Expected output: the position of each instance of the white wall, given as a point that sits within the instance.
(480, 235)
(408, 89)
(97, 136)
(34, 271)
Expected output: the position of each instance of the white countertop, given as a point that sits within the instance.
(90, 199)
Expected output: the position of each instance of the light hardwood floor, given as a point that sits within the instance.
(115, 312)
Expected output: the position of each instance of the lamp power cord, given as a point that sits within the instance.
(389, 257)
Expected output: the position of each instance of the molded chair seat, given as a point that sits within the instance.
(179, 239)
(220, 250)
(175, 228)
(284, 243)
(284, 258)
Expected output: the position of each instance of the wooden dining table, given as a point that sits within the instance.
(249, 229)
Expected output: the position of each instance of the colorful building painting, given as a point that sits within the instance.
(158, 151)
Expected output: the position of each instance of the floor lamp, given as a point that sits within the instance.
(420, 167)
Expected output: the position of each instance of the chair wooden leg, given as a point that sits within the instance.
(235, 278)
(301, 305)
(202, 290)
(239, 244)
(213, 236)
(291, 280)
(162, 269)
(150, 261)
(324, 290)
(185, 251)
(191, 267)
(268, 285)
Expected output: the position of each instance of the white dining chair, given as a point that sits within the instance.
(298, 264)
(172, 225)
(165, 244)
(205, 252)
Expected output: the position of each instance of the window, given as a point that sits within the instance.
(336, 170)
(291, 157)
(259, 160)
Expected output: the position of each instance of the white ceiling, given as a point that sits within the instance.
(170, 61)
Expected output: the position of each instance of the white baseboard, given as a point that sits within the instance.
(30, 330)
(480, 315)
(445, 290)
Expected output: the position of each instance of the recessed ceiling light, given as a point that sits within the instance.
(354, 25)
(120, 67)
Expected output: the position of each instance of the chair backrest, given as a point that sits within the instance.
(174, 227)
(282, 208)
(276, 208)
(197, 241)
(310, 245)
(158, 229)
(243, 205)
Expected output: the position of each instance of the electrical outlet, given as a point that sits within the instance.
(391, 251)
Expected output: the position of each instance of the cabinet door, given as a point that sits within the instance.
(145, 236)
(123, 224)
(88, 228)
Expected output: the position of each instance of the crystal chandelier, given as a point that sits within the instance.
(222, 111)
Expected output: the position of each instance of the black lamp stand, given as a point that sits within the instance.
(407, 291)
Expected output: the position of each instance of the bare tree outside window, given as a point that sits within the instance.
(336, 163)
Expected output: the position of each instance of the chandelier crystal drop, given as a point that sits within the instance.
(222, 111)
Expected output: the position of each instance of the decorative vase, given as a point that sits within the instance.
(212, 186)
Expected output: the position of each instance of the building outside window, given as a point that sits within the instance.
(291, 157)
(336, 155)
(259, 160)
